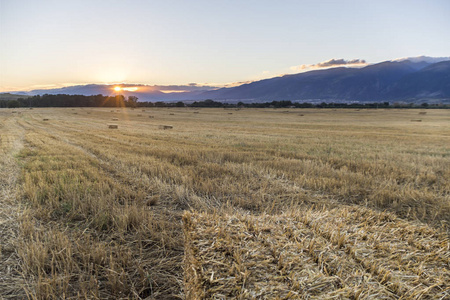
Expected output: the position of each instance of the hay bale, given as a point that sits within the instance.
(115, 119)
(230, 113)
(195, 112)
(422, 113)
(165, 127)
(171, 114)
(44, 119)
(151, 117)
(14, 111)
(113, 126)
(416, 120)
(75, 113)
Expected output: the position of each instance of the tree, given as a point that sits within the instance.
(132, 101)
(13, 103)
(179, 104)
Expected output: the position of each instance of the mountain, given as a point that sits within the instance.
(407, 79)
(390, 80)
(430, 82)
(363, 84)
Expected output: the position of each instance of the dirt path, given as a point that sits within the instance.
(11, 142)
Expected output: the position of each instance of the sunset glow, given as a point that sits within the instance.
(173, 91)
(130, 89)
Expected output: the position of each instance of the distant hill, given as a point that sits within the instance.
(409, 79)
(144, 92)
(97, 89)
(9, 96)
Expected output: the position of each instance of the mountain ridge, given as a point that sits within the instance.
(395, 80)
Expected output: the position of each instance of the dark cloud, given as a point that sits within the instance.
(339, 62)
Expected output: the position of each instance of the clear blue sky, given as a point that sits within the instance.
(45, 43)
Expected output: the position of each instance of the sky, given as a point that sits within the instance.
(54, 43)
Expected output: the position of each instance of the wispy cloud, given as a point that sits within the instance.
(423, 58)
(331, 64)
(233, 84)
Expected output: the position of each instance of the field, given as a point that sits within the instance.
(217, 204)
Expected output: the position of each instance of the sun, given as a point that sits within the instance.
(117, 88)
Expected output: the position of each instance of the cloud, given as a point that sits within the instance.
(330, 64)
(340, 62)
(233, 84)
(423, 58)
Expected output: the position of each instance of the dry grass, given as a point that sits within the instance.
(104, 207)
(11, 142)
(347, 252)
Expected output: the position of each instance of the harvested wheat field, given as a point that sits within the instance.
(257, 204)
(345, 253)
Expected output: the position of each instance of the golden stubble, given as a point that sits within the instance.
(104, 207)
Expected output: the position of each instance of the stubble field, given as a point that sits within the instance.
(246, 204)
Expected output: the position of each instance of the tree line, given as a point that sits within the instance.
(64, 100)
(290, 104)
